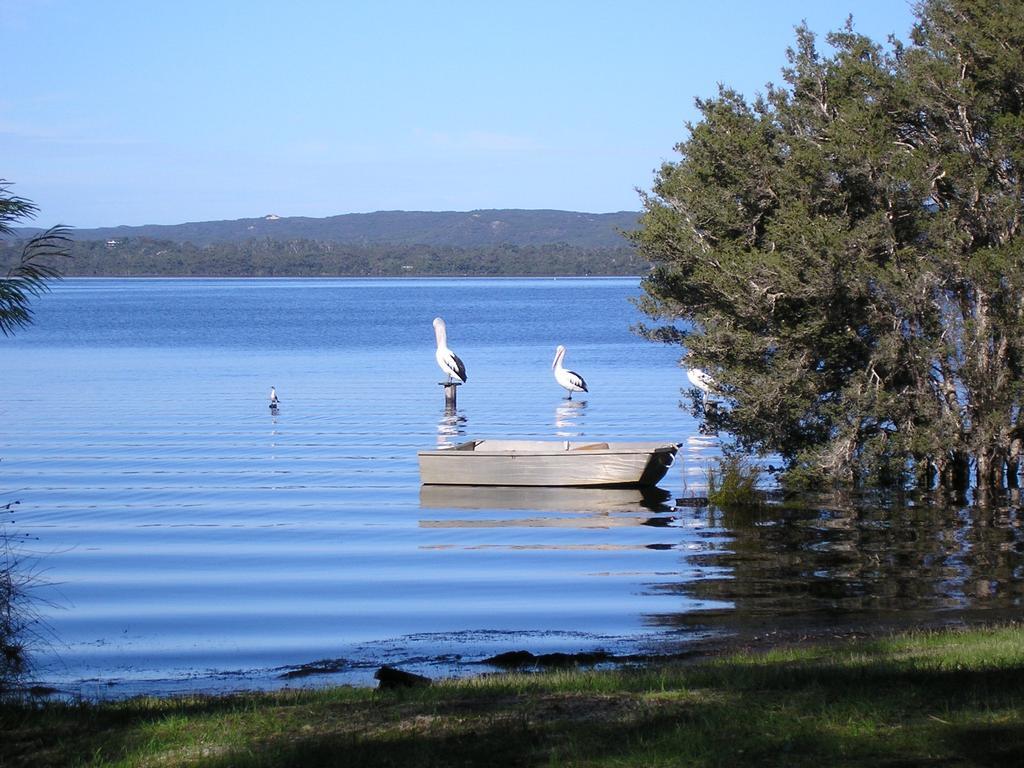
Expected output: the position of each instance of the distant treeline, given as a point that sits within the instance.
(144, 257)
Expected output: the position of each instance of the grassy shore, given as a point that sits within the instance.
(949, 698)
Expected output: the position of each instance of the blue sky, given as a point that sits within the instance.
(165, 112)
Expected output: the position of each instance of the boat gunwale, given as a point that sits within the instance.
(624, 484)
(511, 452)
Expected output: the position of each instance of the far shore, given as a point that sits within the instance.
(69, 278)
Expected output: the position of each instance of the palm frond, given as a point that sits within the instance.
(30, 276)
(13, 208)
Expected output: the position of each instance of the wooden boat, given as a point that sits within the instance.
(547, 463)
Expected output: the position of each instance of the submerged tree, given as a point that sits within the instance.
(16, 616)
(29, 276)
(844, 255)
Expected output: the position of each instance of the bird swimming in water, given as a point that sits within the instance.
(273, 399)
(570, 380)
(447, 360)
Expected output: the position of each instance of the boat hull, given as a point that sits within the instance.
(545, 463)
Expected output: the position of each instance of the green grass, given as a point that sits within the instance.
(734, 482)
(951, 698)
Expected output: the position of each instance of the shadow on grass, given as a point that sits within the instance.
(873, 712)
(784, 718)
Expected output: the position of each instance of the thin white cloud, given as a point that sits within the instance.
(48, 134)
(481, 141)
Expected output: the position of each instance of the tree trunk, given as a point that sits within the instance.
(983, 469)
(956, 476)
(926, 472)
(999, 471)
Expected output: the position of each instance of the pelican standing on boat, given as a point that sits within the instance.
(570, 380)
(447, 360)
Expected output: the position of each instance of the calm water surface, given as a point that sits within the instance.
(191, 540)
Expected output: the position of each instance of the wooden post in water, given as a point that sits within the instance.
(450, 393)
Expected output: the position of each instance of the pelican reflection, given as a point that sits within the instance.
(695, 459)
(450, 427)
(569, 418)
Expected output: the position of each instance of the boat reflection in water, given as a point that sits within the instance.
(652, 499)
(583, 507)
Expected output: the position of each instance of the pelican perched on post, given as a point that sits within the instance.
(447, 360)
(570, 380)
(273, 399)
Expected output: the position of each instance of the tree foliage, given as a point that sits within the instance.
(843, 254)
(33, 265)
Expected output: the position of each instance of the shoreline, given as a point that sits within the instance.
(755, 638)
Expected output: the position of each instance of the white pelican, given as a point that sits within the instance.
(273, 399)
(448, 361)
(701, 380)
(570, 380)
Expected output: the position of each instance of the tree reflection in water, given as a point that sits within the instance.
(784, 567)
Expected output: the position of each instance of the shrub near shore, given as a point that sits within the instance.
(949, 697)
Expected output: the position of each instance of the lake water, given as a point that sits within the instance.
(186, 538)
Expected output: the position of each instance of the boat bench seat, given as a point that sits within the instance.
(591, 447)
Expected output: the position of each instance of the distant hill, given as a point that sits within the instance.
(469, 229)
(483, 243)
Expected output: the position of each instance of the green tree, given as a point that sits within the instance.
(843, 254)
(29, 275)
